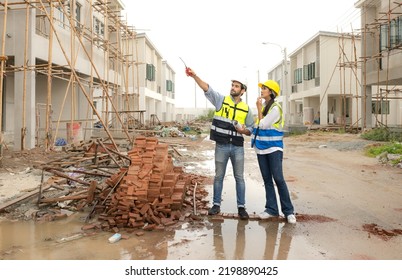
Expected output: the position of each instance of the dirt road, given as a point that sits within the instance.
(348, 207)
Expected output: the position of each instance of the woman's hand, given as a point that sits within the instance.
(259, 103)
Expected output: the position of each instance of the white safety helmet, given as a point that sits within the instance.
(243, 84)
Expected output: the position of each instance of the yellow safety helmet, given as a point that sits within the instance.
(272, 85)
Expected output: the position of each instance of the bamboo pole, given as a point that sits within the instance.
(3, 58)
(106, 67)
(91, 79)
(73, 62)
(364, 74)
(356, 85)
(49, 79)
(24, 85)
(127, 68)
(138, 76)
(116, 66)
(341, 58)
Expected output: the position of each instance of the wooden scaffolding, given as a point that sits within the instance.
(115, 76)
(386, 90)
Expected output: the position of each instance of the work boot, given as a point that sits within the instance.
(216, 209)
(243, 215)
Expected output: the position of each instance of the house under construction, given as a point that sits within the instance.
(72, 69)
(381, 65)
(353, 80)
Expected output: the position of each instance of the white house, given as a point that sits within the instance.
(322, 80)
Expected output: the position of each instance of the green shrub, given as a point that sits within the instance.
(377, 134)
(390, 148)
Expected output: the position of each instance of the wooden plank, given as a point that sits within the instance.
(25, 196)
(64, 198)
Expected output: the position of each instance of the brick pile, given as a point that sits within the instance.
(149, 193)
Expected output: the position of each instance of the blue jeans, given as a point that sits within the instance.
(271, 167)
(224, 152)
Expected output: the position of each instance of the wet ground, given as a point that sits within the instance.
(348, 207)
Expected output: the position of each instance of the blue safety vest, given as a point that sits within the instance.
(272, 137)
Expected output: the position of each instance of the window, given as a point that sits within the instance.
(78, 7)
(60, 16)
(380, 107)
(391, 35)
(399, 33)
(96, 25)
(96, 108)
(99, 27)
(150, 72)
(169, 85)
(298, 75)
(309, 71)
(305, 72)
(63, 12)
(67, 6)
(102, 29)
(383, 37)
(394, 33)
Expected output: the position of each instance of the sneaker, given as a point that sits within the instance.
(291, 219)
(264, 215)
(216, 209)
(243, 215)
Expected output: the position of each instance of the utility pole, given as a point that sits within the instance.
(285, 91)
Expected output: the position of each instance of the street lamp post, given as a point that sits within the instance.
(285, 92)
(245, 80)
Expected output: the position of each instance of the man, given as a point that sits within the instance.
(232, 119)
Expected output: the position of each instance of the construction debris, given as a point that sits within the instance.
(137, 189)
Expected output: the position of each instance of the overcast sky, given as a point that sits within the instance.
(221, 40)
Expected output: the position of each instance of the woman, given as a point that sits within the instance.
(267, 140)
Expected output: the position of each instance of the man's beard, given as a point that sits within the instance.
(233, 93)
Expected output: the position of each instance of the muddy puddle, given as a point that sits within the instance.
(64, 240)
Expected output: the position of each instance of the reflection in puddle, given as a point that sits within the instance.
(250, 240)
(231, 239)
